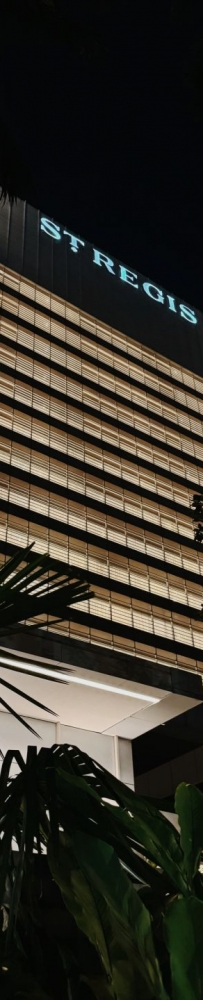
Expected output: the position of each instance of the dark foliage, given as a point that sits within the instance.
(114, 907)
(33, 591)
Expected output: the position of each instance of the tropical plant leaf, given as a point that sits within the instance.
(99, 987)
(109, 911)
(17, 690)
(19, 983)
(16, 890)
(30, 798)
(5, 771)
(138, 819)
(8, 827)
(53, 591)
(18, 717)
(184, 936)
(106, 827)
(73, 804)
(131, 919)
(80, 899)
(76, 802)
(11, 564)
(36, 589)
(189, 807)
(79, 804)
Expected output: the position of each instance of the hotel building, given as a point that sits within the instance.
(101, 450)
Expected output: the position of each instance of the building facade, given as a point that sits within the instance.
(101, 451)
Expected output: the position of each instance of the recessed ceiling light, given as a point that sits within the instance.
(69, 678)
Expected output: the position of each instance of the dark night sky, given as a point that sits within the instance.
(110, 131)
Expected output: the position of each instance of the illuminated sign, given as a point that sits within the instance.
(118, 270)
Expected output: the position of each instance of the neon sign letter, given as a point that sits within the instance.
(50, 228)
(128, 276)
(100, 258)
(188, 314)
(113, 267)
(149, 289)
(171, 302)
(74, 241)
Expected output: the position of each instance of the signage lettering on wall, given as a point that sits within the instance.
(118, 270)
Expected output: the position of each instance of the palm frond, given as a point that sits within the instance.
(17, 716)
(31, 587)
(36, 588)
(17, 690)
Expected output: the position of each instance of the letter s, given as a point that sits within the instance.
(50, 228)
(188, 314)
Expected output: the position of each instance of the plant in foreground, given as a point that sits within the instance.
(33, 588)
(102, 898)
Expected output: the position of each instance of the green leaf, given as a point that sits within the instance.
(17, 690)
(80, 806)
(20, 984)
(99, 987)
(130, 917)
(138, 819)
(5, 842)
(5, 771)
(109, 911)
(11, 564)
(79, 898)
(184, 939)
(30, 798)
(32, 587)
(17, 716)
(16, 890)
(54, 592)
(189, 807)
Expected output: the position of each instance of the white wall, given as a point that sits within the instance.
(113, 753)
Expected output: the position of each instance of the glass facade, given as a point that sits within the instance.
(100, 453)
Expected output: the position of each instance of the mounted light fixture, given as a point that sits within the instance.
(69, 678)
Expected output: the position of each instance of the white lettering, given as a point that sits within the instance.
(128, 276)
(188, 314)
(50, 228)
(171, 303)
(150, 289)
(100, 258)
(74, 241)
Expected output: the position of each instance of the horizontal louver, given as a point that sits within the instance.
(100, 452)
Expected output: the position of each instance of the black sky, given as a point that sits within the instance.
(109, 126)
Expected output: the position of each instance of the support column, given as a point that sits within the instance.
(116, 756)
(123, 761)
